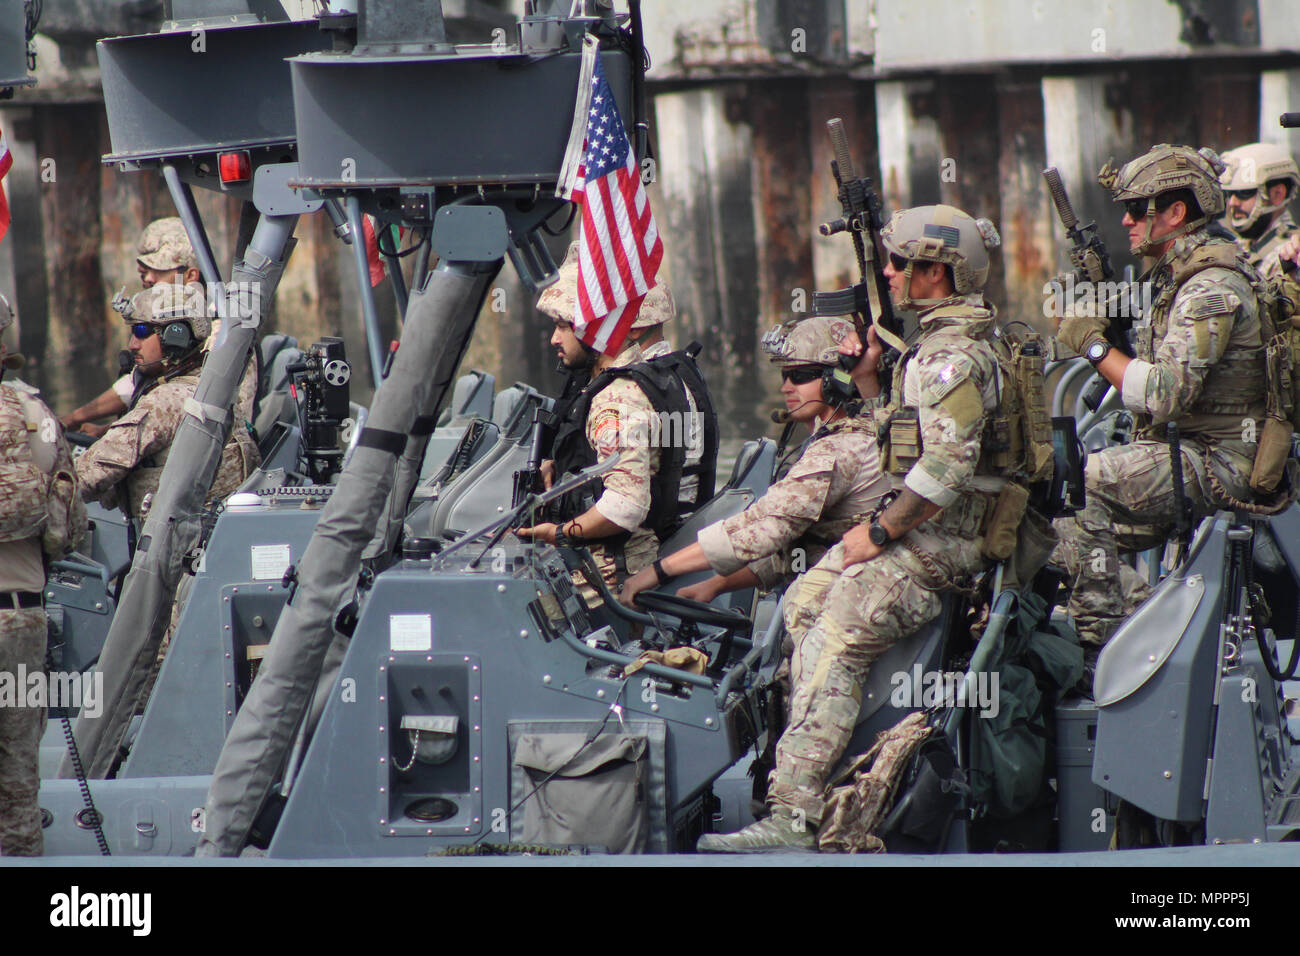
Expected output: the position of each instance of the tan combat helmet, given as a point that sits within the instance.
(1163, 169)
(169, 302)
(812, 341)
(165, 246)
(1254, 167)
(559, 300)
(941, 234)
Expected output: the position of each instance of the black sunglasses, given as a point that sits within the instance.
(897, 261)
(802, 374)
(142, 330)
(1136, 209)
(1241, 194)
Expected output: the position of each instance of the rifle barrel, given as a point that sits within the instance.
(1059, 197)
(840, 143)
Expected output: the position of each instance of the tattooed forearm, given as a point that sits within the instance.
(907, 512)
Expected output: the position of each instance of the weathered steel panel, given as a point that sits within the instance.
(939, 34)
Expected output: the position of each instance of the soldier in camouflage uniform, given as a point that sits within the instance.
(834, 484)
(164, 255)
(884, 580)
(1200, 364)
(124, 466)
(34, 464)
(619, 420)
(1259, 183)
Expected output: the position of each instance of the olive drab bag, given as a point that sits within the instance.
(39, 496)
(1279, 301)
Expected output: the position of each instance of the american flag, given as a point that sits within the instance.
(619, 246)
(6, 161)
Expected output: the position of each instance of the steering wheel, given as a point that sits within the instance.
(696, 611)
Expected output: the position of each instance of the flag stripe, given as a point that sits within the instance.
(619, 246)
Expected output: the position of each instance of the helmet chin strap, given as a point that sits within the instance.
(906, 301)
(1147, 247)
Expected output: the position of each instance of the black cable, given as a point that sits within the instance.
(96, 819)
(547, 779)
(379, 243)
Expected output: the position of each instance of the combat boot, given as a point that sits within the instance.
(782, 832)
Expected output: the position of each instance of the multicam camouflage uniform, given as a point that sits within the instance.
(860, 612)
(944, 389)
(1200, 363)
(1253, 167)
(23, 630)
(1263, 252)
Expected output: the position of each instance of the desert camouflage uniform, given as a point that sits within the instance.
(617, 421)
(835, 484)
(128, 460)
(951, 376)
(1200, 364)
(22, 644)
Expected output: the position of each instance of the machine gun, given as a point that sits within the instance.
(868, 301)
(1091, 264)
(323, 375)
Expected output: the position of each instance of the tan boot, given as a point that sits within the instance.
(782, 832)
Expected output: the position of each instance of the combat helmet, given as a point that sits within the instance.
(1163, 169)
(559, 300)
(165, 246)
(941, 234)
(814, 341)
(179, 313)
(1254, 167)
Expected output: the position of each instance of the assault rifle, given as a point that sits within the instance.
(868, 301)
(1091, 264)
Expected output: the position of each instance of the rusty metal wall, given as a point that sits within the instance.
(742, 181)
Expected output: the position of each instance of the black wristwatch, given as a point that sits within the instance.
(879, 534)
(1095, 352)
(662, 576)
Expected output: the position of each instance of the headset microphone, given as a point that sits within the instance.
(783, 415)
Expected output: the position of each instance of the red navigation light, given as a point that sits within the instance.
(235, 167)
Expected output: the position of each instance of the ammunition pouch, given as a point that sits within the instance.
(1002, 530)
(1271, 456)
(899, 438)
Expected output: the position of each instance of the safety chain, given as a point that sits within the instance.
(1223, 495)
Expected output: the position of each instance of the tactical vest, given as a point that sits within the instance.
(1016, 444)
(1235, 386)
(39, 498)
(1017, 440)
(664, 381)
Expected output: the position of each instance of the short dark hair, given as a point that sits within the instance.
(1184, 196)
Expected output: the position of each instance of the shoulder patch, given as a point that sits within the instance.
(1207, 304)
(606, 428)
